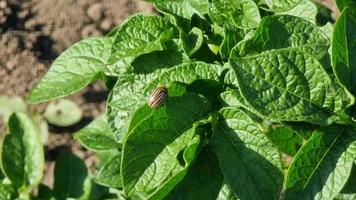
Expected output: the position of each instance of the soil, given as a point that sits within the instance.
(33, 33)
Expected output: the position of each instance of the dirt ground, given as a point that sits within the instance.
(33, 33)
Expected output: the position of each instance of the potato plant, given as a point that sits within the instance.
(259, 101)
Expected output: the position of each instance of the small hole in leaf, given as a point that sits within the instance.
(59, 112)
(180, 157)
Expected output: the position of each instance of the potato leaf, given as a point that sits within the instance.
(109, 174)
(226, 193)
(306, 9)
(322, 166)
(285, 32)
(287, 85)
(192, 41)
(182, 8)
(341, 4)
(161, 145)
(132, 91)
(234, 14)
(248, 159)
(22, 152)
(75, 68)
(209, 183)
(344, 49)
(7, 192)
(139, 35)
(63, 113)
(97, 135)
(70, 174)
(286, 140)
(278, 5)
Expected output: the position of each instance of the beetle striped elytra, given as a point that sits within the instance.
(157, 97)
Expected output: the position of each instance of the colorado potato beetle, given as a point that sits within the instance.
(157, 97)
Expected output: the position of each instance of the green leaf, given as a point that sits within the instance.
(226, 193)
(99, 192)
(97, 136)
(2, 176)
(344, 49)
(341, 4)
(229, 99)
(231, 38)
(132, 91)
(192, 41)
(303, 129)
(203, 180)
(44, 192)
(9, 105)
(234, 14)
(321, 167)
(349, 189)
(278, 5)
(200, 7)
(104, 156)
(249, 161)
(22, 152)
(182, 8)
(75, 68)
(63, 113)
(186, 73)
(161, 145)
(127, 93)
(343, 196)
(233, 98)
(328, 29)
(141, 34)
(88, 185)
(306, 9)
(109, 174)
(287, 85)
(158, 60)
(286, 140)
(41, 125)
(285, 32)
(70, 174)
(7, 192)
